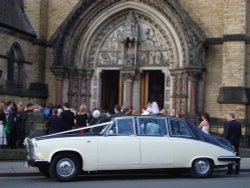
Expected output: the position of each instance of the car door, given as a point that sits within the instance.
(156, 147)
(120, 149)
(185, 148)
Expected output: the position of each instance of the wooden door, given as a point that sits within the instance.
(144, 89)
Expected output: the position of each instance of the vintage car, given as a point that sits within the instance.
(130, 143)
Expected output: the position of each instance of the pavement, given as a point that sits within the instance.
(19, 168)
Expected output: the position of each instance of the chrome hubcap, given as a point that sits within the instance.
(202, 166)
(65, 167)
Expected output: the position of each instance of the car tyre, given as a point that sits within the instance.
(65, 167)
(44, 170)
(202, 168)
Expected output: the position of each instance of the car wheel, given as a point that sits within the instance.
(65, 167)
(201, 168)
(44, 170)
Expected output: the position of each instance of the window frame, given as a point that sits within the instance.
(186, 126)
(166, 133)
(115, 123)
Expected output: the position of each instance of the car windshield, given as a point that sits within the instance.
(100, 129)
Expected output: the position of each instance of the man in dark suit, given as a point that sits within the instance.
(55, 123)
(67, 117)
(232, 132)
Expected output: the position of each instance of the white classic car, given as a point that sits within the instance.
(130, 143)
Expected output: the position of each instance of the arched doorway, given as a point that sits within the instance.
(130, 37)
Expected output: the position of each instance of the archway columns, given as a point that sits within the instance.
(89, 74)
(128, 77)
(71, 76)
(59, 73)
(80, 79)
(193, 96)
(184, 84)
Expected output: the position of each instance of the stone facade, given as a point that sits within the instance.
(61, 58)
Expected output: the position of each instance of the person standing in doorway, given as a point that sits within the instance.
(232, 132)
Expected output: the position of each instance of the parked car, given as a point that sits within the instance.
(130, 143)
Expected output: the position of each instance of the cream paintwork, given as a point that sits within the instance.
(187, 150)
(130, 152)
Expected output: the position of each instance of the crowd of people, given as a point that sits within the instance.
(16, 118)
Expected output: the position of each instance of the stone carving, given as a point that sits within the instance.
(129, 60)
(134, 39)
(167, 95)
(109, 58)
(94, 93)
(130, 28)
(104, 58)
(168, 81)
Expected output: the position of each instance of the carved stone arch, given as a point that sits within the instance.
(74, 28)
(160, 44)
(150, 14)
(87, 28)
(86, 12)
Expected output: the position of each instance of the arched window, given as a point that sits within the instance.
(15, 76)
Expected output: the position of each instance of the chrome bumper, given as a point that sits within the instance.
(36, 163)
(229, 158)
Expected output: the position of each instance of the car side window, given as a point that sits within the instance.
(123, 126)
(152, 126)
(180, 129)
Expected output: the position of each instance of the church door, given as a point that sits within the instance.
(152, 87)
(110, 89)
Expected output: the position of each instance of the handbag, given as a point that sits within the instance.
(7, 128)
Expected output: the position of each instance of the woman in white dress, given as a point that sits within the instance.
(204, 124)
(155, 108)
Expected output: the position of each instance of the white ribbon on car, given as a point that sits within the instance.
(75, 130)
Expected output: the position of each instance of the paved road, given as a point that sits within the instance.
(218, 180)
(17, 168)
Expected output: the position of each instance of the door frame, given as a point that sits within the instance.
(145, 86)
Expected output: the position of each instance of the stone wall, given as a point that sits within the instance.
(28, 51)
(213, 79)
(208, 15)
(32, 68)
(226, 62)
(57, 12)
(49, 77)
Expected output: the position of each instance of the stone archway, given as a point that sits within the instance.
(132, 36)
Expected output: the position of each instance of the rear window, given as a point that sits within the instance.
(179, 128)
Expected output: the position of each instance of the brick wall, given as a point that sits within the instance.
(234, 17)
(57, 12)
(49, 77)
(31, 70)
(213, 79)
(208, 15)
(225, 64)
